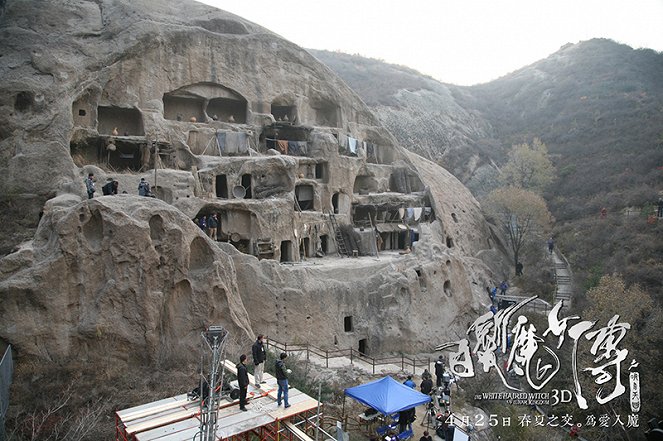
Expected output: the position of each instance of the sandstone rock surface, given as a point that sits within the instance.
(199, 102)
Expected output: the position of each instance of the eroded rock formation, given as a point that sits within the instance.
(221, 116)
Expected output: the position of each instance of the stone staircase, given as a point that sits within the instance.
(563, 285)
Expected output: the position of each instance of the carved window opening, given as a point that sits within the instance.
(23, 101)
(183, 108)
(227, 110)
(347, 324)
(450, 242)
(321, 171)
(305, 197)
(246, 183)
(221, 186)
(125, 122)
(284, 113)
(84, 110)
(324, 243)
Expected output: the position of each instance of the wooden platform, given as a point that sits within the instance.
(177, 418)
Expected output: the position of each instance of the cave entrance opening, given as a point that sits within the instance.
(286, 251)
(125, 122)
(363, 346)
(305, 247)
(222, 186)
(120, 154)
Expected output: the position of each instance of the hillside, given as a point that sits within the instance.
(598, 105)
(420, 112)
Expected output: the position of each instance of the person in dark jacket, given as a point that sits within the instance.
(89, 185)
(439, 371)
(405, 419)
(243, 380)
(110, 188)
(259, 357)
(282, 380)
(426, 386)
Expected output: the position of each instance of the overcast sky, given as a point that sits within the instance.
(462, 42)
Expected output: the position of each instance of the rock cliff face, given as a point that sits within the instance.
(222, 117)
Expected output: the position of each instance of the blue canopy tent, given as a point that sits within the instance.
(387, 395)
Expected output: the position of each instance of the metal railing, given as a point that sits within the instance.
(404, 361)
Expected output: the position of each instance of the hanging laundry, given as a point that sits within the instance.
(283, 146)
(303, 147)
(410, 213)
(370, 151)
(352, 145)
(417, 213)
(231, 142)
(221, 142)
(293, 148)
(401, 213)
(243, 142)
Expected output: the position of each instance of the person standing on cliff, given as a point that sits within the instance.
(259, 357)
(503, 287)
(551, 245)
(144, 188)
(89, 185)
(243, 380)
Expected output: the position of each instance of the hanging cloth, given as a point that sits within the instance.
(221, 142)
(352, 145)
(283, 146)
(417, 213)
(293, 148)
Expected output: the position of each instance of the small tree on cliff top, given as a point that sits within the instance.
(528, 167)
(522, 213)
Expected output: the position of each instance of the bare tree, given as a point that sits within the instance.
(522, 214)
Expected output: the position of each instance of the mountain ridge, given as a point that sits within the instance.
(597, 104)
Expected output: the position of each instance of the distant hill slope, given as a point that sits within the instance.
(598, 105)
(421, 112)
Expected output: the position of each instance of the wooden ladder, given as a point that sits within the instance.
(338, 235)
